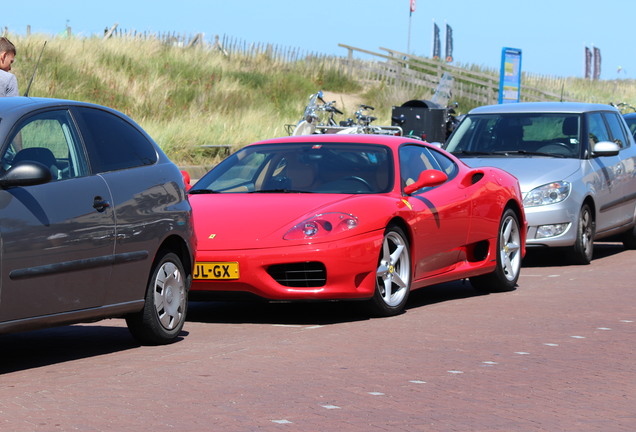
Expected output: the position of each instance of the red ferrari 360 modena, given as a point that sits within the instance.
(328, 216)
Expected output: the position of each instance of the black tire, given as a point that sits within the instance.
(583, 249)
(162, 318)
(629, 239)
(506, 273)
(393, 274)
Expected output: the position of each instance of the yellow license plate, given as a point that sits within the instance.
(216, 270)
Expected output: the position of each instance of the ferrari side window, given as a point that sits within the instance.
(444, 163)
(413, 160)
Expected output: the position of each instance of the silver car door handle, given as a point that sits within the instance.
(100, 204)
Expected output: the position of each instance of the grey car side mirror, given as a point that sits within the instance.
(25, 174)
(605, 148)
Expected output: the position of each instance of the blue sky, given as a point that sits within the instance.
(552, 34)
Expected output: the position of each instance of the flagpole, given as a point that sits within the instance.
(408, 43)
(411, 10)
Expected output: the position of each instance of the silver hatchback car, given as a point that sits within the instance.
(575, 163)
(94, 221)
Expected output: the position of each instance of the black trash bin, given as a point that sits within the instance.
(421, 118)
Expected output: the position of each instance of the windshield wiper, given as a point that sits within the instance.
(280, 191)
(471, 153)
(202, 191)
(529, 153)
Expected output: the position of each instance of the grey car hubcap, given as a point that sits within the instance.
(170, 299)
(586, 232)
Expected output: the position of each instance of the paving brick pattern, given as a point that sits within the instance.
(557, 354)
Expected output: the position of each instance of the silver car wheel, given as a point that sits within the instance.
(394, 270)
(586, 232)
(510, 248)
(583, 249)
(169, 295)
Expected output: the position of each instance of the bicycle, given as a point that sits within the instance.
(623, 107)
(313, 120)
(363, 125)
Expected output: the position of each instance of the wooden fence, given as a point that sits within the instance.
(168, 38)
(413, 72)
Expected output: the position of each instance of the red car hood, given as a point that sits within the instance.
(250, 221)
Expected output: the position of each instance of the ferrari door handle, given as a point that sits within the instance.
(100, 204)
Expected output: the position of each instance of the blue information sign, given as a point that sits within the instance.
(510, 76)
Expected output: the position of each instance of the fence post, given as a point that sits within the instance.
(350, 61)
(110, 32)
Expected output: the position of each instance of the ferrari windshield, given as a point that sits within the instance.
(341, 168)
(541, 134)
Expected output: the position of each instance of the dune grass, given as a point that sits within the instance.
(188, 97)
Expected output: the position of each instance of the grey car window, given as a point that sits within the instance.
(546, 134)
(112, 142)
(618, 133)
(48, 138)
(597, 129)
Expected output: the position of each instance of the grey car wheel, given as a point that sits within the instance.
(583, 249)
(509, 257)
(629, 237)
(164, 312)
(393, 274)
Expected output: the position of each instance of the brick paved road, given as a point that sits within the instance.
(557, 354)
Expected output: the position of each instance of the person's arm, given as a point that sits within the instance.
(12, 86)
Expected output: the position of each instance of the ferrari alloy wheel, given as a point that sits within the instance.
(509, 257)
(393, 275)
(583, 249)
(163, 315)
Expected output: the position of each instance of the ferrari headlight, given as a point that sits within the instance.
(322, 225)
(550, 193)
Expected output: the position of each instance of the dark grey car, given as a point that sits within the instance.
(630, 119)
(94, 221)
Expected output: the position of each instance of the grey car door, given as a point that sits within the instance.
(57, 238)
(625, 175)
(604, 174)
(127, 161)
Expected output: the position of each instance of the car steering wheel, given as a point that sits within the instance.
(560, 144)
(360, 180)
(558, 148)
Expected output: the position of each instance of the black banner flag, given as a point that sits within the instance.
(449, 44)
(588, 63)
(437, 50)
(597, 63)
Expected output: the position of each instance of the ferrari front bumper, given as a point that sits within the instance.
(349, 270)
